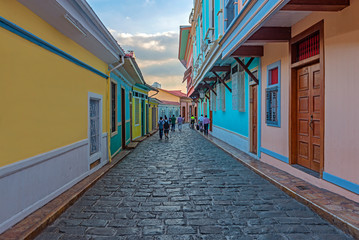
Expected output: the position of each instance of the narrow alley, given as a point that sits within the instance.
(186, 188)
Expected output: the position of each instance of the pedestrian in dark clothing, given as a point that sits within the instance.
(205, 124)
(173, 123)
(160, 127)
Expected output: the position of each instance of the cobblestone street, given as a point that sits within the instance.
(186, 188)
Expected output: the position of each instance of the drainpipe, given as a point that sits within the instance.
(109, 107)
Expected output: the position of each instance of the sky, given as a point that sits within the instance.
(151, 29)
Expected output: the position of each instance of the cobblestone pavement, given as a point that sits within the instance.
(186, 188)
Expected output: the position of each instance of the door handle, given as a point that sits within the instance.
(311, 121)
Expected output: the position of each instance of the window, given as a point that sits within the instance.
(308, 47)
(218, 97)
(94, 126)
(137, 111)
(238, 91)
(213, 100)
(273, 95)
(223, 97)
(113, 107)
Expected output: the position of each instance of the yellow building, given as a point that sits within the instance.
(54, 90)
(153, 113)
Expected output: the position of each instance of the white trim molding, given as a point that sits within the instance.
(52, 173)
(232, 138)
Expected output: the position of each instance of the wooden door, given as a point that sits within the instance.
(309, 99)
(123, 118)
(254, 125)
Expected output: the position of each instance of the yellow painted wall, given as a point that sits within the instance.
(44, 96)
(163, 95)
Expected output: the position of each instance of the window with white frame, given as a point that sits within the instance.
(137, 111)
(238, 89)
(213, 100)
(113, 107)
(94, 126)
(273, 95)
(223, 97)
(218, 97)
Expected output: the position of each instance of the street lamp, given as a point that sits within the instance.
(201, 94)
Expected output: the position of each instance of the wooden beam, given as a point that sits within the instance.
(210, 88)
(208, 97)
(222, 80)
(249, 62)
(273, 34)
(248, 51)
(316, 5)
(247, 70)
(221, 69)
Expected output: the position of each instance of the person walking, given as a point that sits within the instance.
(192, 121)
(160, 127)
(166, 127)
(173, 123)
(200, 122)
(180, 121)
(206, 124)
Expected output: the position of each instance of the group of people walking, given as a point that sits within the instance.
(166, 124)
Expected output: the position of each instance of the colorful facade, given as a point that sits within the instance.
(259, 70)
(55, 113)
(172, 102)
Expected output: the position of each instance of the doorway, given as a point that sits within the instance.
(123, 118)
(253, 118)
(154, 118)
(308, 117)
(143, 123)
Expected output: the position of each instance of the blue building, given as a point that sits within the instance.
(223, 86)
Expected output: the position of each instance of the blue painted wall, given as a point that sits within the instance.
(234, 120)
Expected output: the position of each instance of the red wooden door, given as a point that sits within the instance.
(309, 84)
(254, 125)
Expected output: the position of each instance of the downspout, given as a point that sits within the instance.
(109, 107)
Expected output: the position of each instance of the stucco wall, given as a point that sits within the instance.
(276, 139)
(341, 46)
(45, 97)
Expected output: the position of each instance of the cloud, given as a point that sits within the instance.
(159, 42)
(156, 55)
(172, 82)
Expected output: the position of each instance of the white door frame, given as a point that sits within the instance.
(94, 157)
